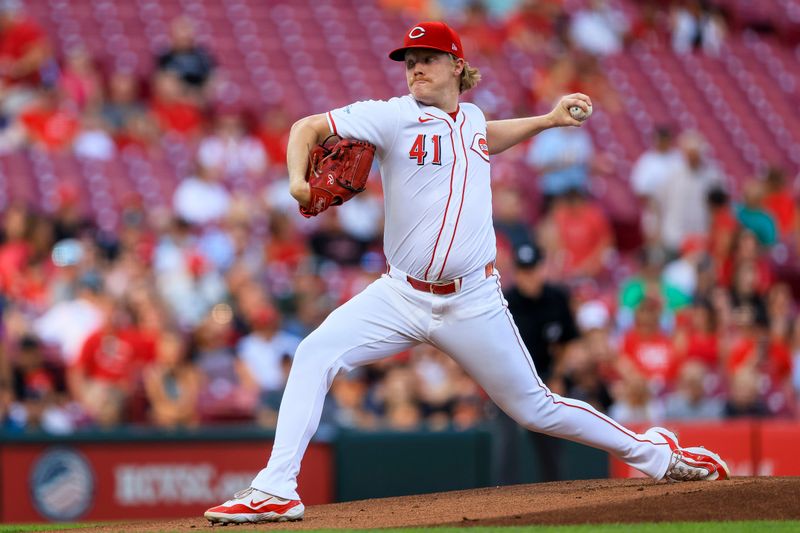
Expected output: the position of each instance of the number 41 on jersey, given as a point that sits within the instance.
(419, 150)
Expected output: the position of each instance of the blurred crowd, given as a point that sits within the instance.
(191, 315)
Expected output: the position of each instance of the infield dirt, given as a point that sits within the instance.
(567, 502)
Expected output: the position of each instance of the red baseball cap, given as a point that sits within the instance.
(433, 36)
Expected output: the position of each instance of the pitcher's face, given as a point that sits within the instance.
(431, 74)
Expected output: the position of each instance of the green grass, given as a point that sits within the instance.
(674, 527)
(24, 528)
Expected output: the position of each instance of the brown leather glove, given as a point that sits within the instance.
(337, 174)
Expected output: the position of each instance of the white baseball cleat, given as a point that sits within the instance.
(690, 464)
(254, 506)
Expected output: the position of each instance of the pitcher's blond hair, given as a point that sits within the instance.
(470, 76)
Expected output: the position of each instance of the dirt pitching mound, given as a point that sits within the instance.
(568, 502)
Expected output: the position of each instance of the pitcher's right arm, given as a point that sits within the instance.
(304, 135)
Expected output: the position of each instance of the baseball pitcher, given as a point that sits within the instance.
(441, 286)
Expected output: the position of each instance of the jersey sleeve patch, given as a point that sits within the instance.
(480, 146)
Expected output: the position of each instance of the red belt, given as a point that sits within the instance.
(444, 287)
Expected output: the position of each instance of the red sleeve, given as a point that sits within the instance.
(765, 277)
(19, 38)
(143, 344)
(673, 365)
(85, 360)
(629, 343)
(30, 33)
(31, 119)
(740, 351)
(726, 272)
(145, 347)
(780, 360)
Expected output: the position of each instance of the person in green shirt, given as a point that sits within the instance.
(648, 281)
(752, 215)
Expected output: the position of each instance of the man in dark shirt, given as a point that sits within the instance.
(541, 310)
(547, 327)
(190, 61)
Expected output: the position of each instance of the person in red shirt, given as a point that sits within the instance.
(580, 236)
(723, 226)
(535, 24)
(107, 371)
(650, 26)
(781, 312)
(747, 252)
(24, 51)
(80, 80)
(15, 249)
(285, 250)
(761, 349)
(755, 350)
(49, 125)
(779, 202)
(173, 110)
(647, 350)
(697, 336)
(574, 72)
(479, 32)
(273, 132)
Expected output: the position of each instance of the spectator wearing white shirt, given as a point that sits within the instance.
(187, 282)
(201, 199)
(266, 354)
(600, 29)
(562, 157)
(230, 151)
(683, 273)
(696, 24)
(69, 323)
(680, 201)
(654, 167)
(263, 350)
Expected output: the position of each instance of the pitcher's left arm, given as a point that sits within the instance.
(503, 134)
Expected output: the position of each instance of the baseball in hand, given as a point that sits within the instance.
(579, 114)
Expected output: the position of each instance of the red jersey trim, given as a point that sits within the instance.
(454, 114)
(449, 197)
(333, 123)
(463, 194)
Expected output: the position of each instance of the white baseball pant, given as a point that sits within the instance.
(476, 329)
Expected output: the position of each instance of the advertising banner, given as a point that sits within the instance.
(777, 446)
(163, 479)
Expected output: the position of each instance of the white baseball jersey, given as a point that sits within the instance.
(435, 173)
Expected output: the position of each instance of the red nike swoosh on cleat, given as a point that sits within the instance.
(278, 508)
(423, 120)
(705, 461)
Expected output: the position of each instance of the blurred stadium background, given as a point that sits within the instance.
(155, 276)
